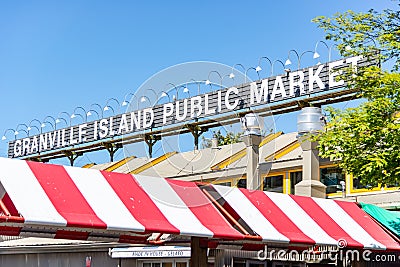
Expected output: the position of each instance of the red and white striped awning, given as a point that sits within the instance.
(70, 202)
(283, 218)
(75, 203)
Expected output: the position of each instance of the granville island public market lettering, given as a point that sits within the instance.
(221, 101)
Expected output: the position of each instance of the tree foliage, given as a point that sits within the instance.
(366, 140)
(229, 138)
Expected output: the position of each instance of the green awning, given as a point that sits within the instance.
(389, 219)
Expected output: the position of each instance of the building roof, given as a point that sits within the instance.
(191, 162)
(102, 166)
(210, 163)
(132, 164)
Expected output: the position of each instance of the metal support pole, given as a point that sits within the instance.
(252, 142)
(309, 121)
(112, 148)
(310, 184)
(196, 131)
(150, 140)
(198, 256)
(343, 184)
(252, 139)
(72, 156)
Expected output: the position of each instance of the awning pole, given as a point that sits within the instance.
(157, 240)
(226, 213)
(4, 208)
(198, 256)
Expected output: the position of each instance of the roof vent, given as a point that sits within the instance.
(310, 120)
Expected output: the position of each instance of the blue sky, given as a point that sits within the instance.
(57, 55)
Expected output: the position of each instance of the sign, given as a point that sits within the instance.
(279, 88)
(151, 252)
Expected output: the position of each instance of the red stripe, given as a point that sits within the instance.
(253, 247)
(10, 205)
(73, 235)
(9, 230)
(11, 219)
(212, 244)
(65, 196)
(324, 220)
(231, 211)
(133, 239)
(371, 227)
(139, 204)
(204, 210)
(277, 217)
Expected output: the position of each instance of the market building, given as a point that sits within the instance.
(281, 165)
(196, 206)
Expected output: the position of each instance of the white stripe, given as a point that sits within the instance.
(351, 227)
(172, 206)
(250, 214)
(103, 200)
(27, 194)
(301, 219)
(2, 191)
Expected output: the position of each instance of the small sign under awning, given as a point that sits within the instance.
(151, 252)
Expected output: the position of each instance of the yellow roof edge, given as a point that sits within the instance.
(152, 163)
(240, 154)
(89, 165)
(222, 164)
(269, 138)
(119, 164)
(283, 151)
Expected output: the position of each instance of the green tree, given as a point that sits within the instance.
(229, 138)
(366, 140)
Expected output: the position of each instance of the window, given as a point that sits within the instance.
(331, 177)
(287, 264)
(273, 183)
(165, 263)
(252, 263)
(358, 185)
(241, 183)
(225, 184)
(295, 178)
(395, 184)
(239, 263)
